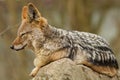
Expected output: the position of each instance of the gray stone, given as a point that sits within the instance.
(65, 69)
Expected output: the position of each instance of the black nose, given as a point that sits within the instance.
(12, 47)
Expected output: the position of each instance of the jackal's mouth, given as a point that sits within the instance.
(21, 47)
(17, 48)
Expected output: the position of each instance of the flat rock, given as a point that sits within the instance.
(66, 69)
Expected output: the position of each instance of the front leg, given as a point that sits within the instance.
(34, 72)
(38, 63)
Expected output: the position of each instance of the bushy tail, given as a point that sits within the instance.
(107, 70)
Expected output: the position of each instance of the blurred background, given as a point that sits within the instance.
(101, 17)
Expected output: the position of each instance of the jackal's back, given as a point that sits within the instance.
(86, 48)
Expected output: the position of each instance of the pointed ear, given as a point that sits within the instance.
(24, 12)
(33, 12)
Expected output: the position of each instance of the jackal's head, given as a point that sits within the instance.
(30, 29)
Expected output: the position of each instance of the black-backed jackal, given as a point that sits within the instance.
(50, 44)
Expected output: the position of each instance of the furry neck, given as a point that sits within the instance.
(51, 32)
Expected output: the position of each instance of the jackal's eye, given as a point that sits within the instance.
(23, 34)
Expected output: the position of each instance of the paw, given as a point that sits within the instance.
(34, 72)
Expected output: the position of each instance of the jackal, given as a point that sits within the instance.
(50, 44)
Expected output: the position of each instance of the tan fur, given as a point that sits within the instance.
(42, 60)
(30, 4)
(17, 41)
(50, 44)
(58, 55)
(101, 69)
(43, 22)
(24, 12)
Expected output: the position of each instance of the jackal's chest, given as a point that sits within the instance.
(48, 48)
(42, 52)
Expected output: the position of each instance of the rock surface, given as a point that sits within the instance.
(65, 69)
